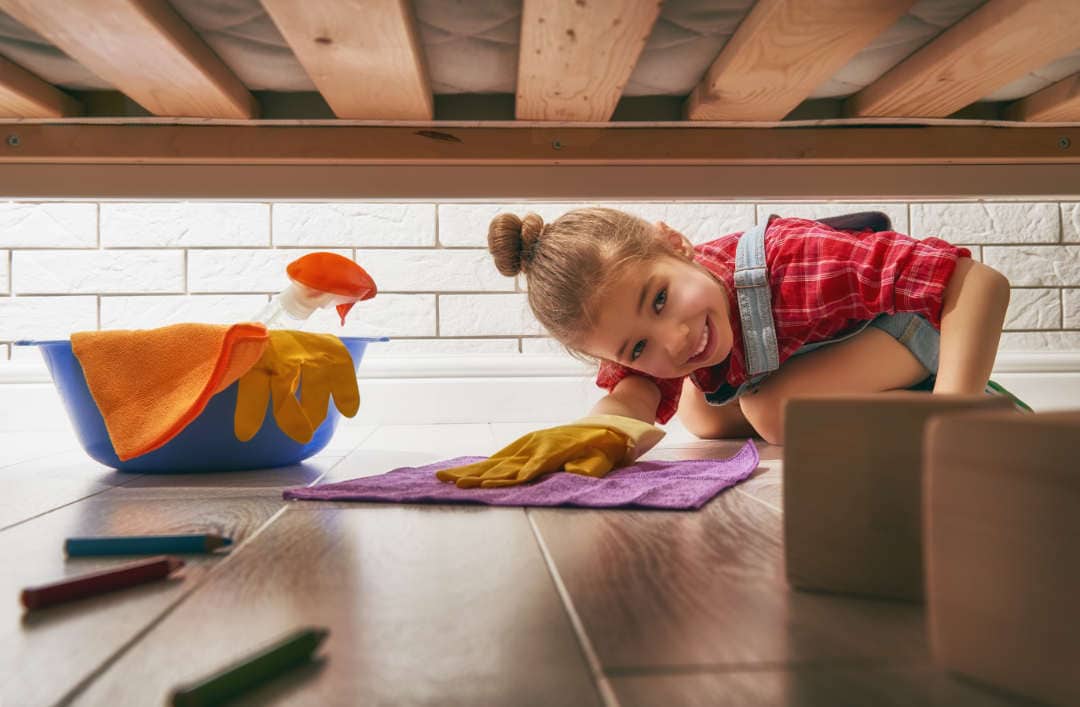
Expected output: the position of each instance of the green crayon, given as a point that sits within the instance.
(267, 663)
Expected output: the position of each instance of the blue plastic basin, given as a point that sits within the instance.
(207, 444)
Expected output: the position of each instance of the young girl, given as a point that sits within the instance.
(724, 333)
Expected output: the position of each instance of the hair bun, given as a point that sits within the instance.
(512, 240)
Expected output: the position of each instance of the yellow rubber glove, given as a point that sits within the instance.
(319, 364)
(592, 446)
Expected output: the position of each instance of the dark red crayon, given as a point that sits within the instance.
(100, 582)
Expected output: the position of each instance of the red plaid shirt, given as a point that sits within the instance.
(824, 283)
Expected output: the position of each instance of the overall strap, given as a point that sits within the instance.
(755, 302)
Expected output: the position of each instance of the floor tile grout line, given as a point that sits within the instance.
(759, 500)
(107, 489)
(343, 457)
(137, 476)
(603, 685)
(769, 665)
(26, 460)
(165, 613)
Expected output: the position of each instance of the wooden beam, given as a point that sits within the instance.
(1058, 102)
(993, 46)
(402, 145)
(143, 48)
(365, 57)
(554, 182)
(23, 95)
(782, 51)
(576, 57)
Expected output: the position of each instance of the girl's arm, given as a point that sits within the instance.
(633, 396)
(973, 313)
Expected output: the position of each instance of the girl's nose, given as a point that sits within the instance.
(675, 341)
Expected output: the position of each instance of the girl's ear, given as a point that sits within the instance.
(675, 240)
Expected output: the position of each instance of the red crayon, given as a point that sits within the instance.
(100, 582)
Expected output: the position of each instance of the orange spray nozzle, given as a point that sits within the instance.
(335, 275)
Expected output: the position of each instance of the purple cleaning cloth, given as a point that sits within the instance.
(670, 485)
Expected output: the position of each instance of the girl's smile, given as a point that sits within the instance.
(703, 350)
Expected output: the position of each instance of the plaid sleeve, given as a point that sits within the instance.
(920, 287)
(670, 388)
(857, 276)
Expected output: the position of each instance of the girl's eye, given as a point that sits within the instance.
(636, 351)
(660, 301)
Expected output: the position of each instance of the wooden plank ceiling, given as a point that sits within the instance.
(993, 46)
(574, 59)
(364, 56)
(782, 51)
(145, 50)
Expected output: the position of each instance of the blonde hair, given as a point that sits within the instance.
(570, 262)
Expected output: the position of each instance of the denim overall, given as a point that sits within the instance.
(759, 331)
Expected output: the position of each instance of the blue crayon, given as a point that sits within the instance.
(144, 545)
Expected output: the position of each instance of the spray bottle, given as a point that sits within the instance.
(317, 281)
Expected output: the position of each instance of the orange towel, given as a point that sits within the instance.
(149, 384)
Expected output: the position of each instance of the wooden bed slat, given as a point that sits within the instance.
(1057, 102)
(558, 182)
(23, 95)
(145, 49)
(782, 51)
(993, 46)
(365, 57)
(401, 145)
(575, 57)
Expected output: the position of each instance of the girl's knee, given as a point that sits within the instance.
(714, 421)
(713, 426)
(766, 414)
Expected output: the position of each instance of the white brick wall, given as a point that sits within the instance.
(229, 270)
(984, 222)
(185, 224)
(73, 266)
(48, 225)
(357, 225)
(84, 272)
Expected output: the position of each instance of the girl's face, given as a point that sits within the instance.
(667, 317)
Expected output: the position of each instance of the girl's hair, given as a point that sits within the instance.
(570, 263)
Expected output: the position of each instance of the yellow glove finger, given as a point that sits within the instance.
(252, 397)
(288, 413)
(314, 395)
(604, 454)
(593, 462)
(458, 472)
(511, 472)
(492, 483)
(471, 474)
(594, 452)
(523, 471)
(508, 459)
(580, 449)
(319, 383)
(346, 391)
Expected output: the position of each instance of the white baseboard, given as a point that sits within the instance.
(506, 388)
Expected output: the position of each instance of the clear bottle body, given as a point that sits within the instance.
(290, 308)
(275, 316)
